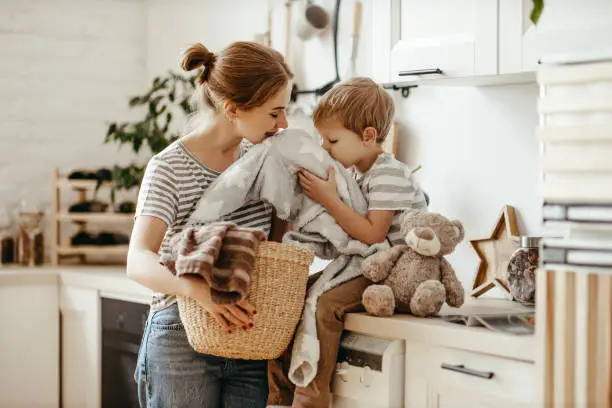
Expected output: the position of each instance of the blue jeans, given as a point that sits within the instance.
(170, 374)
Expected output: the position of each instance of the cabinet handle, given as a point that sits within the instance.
(421, 72)
(460, 368)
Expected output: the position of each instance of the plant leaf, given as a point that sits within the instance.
(135, 101)
(536, 11)
(168, 93)
(112, 128)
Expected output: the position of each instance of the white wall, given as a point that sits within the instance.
(68, 67)
(172, 26)
(478, 152)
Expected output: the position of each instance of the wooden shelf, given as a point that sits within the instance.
(93, 250)
(83, 184)
(96, 217)
(61, 247)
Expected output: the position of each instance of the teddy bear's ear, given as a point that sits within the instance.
(407, 214)
(461, 231)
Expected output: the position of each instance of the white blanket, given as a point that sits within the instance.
(269, 172)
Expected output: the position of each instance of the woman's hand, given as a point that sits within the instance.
(229, 316)
(322, 191)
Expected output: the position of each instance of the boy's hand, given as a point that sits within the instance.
(317, 189)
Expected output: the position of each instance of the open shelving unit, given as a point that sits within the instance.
(62, 248)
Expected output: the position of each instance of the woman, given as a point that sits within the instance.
(247, 86)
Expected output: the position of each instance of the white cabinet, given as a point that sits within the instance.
(40, 306)
(441, 377)
(517, 37)
(575, 31)
(421, 40)
(456, 38)
(454, 366)
(81, 296)
(29, 339)
(81, 347)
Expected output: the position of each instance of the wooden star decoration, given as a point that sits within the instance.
(494, 253)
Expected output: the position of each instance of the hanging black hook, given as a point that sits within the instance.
(404, 89)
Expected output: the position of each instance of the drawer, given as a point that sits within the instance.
(437, 374)
(453, 58)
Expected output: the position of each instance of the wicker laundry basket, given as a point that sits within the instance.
(277, 291)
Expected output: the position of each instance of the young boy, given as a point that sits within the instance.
(353, 118)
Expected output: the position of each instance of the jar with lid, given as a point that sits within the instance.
(30, 250)
(522, 268)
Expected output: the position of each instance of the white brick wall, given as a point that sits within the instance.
(67, 68)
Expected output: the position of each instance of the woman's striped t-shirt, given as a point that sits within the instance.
(173, 183)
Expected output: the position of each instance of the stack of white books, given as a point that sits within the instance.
(575, 136)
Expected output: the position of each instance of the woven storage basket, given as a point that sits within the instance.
(277, 291)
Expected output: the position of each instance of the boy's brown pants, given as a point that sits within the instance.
(331, 308)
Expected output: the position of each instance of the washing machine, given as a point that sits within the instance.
(369, 373)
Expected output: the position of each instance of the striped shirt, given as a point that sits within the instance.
(388, 185)
(173, 183)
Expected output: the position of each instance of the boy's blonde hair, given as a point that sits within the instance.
(357, 103)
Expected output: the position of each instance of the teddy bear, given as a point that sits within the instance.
(415, 278)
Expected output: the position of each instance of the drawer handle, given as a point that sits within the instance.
(421, 72)
(460, 368)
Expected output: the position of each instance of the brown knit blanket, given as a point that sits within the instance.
(221, 253)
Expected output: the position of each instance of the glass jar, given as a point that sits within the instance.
(522, 267)
(31, 244)
(7, 248)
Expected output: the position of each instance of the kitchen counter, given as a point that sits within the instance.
(14, 274)
(445, 334)
(110, 281)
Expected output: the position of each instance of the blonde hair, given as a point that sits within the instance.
(357, 103)
(245, 73)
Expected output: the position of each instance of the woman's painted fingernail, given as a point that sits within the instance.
(254, 312)
(251, 324)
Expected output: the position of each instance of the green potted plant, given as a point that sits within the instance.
(167, 97)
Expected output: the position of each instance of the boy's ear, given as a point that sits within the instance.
(370, 134)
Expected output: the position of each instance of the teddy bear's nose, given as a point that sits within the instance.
(424, 233)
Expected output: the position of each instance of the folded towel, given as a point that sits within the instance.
(221, 253)
(231, 275)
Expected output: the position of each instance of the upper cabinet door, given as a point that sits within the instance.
(433, 38)
(517, 52)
